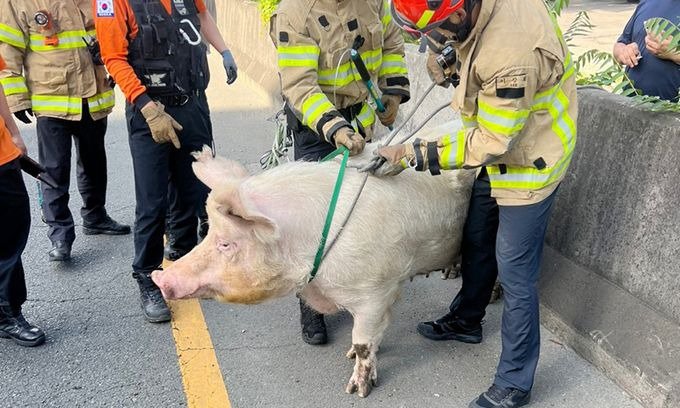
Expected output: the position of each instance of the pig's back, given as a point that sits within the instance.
(402, 225)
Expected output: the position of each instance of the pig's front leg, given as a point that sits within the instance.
(370, 323)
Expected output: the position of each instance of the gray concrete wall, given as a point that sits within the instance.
(611, 277)
(610, 283)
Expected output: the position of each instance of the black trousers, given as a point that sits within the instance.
(54, 150)
(479, 268)
(158, 165)
(16, 214)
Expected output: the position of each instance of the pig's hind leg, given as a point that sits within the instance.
(370, 321)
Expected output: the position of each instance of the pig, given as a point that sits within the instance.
(265, 230)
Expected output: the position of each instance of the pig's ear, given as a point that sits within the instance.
(241, 206)
(214, 170)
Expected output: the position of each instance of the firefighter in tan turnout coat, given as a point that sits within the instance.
(52, 74)
(517, 99)
(327, 105)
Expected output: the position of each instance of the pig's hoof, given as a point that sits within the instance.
(362, 388)
(351, 353)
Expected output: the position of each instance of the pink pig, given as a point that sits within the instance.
(265, 230)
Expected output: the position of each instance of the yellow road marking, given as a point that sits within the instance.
(201, 375)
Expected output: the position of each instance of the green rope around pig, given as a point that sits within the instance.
(331, 207)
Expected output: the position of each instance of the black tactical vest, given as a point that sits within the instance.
(162, 55)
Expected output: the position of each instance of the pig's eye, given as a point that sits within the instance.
(226, 246)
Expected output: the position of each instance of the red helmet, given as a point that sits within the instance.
(423, 15)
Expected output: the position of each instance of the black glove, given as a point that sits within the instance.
(22, 115)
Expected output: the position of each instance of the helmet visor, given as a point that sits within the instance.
(418, 28)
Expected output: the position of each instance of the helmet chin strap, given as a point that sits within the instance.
(461, 31)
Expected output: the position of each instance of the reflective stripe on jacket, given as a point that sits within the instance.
(313, 39)
(49, 69)
(517, 98)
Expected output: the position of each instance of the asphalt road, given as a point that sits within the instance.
(101, 353)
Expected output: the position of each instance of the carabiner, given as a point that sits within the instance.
(186, 36)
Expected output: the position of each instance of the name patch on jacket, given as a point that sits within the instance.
(104, 8)
(511, 87)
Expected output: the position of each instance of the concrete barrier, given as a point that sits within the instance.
(611, 277)
(610, 283)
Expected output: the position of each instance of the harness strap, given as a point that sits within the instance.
(331, 207)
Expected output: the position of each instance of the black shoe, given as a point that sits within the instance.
(313, 325)
(450, 328)
(106, 226)
(61, 251)
(172, 253)
(13, 326)
(154, 306)
(497, 397)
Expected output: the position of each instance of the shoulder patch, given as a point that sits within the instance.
(105, 8)
(511, 87)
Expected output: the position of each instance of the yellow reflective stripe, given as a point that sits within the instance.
(298, 56)
(13, 85)
(366, 116)
(101, 101)
(452, 155)
(387, 17)
(345, 74)
(503, 121)
(12, 36)
(425, 18)
(313, 107)
(67, 40)
(527, 178)
(62, 104)
(469, 121)
(393, 64)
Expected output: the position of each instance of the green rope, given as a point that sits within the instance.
(331, 207)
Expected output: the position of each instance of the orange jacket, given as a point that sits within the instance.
(8, 151)
(116, 28)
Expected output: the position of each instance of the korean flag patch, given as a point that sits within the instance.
(104, 8)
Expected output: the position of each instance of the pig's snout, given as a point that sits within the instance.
(174, 286)
(159, 278)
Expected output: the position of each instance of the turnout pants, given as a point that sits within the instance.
(504, 241)
(158, 165)
(14, 207)
(54, 150)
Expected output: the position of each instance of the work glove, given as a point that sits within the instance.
(390, 160)
(345, 136)
(22, 115)
(435, 71)
(229, 66)
(163, 127)
(391, 104)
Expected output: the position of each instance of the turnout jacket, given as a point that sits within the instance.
(313, 39)
(49, 68)
(517, 98)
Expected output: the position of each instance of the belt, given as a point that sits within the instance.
(176, 100)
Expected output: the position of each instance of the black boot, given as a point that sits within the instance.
(106, 226)
(449, 327)
(61, 251)
(171, 251)
(154, 306)
(313, 325)
(14, 326)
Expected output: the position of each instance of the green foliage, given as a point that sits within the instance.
(557, 5)
(599, 68)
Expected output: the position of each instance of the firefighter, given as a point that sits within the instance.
(51, 74)
(154, 50)
(326, 103)
(517, 99)
(13, 239)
